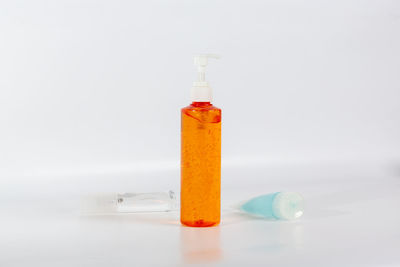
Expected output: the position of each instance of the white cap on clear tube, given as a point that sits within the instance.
(201, 90)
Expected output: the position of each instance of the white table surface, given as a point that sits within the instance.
(352, 218)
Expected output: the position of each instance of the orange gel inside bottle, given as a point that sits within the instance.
(200, 165)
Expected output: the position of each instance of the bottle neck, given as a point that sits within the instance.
(201, 92)
(201, 104)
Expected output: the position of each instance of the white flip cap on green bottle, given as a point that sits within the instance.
(288, 205)
(201, 90)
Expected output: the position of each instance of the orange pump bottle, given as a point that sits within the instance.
(201, 155)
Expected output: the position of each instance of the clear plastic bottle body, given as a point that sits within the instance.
(200, 165)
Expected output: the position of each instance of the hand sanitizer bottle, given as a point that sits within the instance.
(201, 154)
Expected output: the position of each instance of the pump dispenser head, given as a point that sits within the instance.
(201, 90)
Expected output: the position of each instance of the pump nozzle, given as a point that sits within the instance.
(201, 91)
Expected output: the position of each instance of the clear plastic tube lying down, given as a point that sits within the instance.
(110, 203)
(279, 205)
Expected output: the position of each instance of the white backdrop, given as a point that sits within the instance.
(92, 86)
(90, 98)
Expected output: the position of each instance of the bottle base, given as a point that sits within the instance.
(199, 223)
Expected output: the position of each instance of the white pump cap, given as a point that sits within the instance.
(201, 90)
